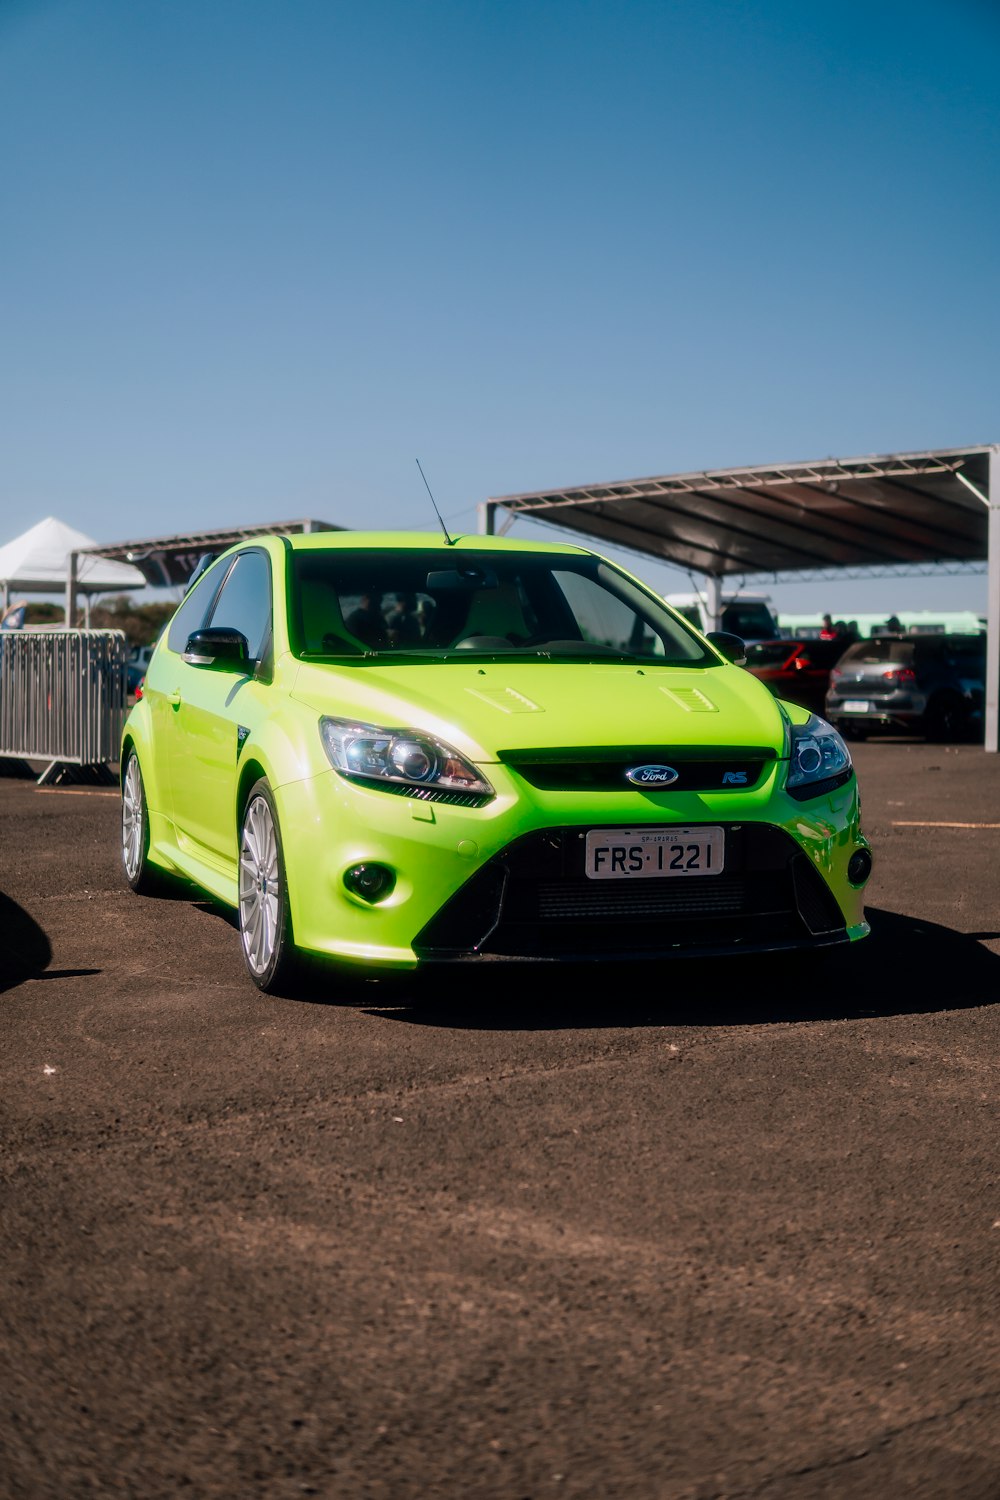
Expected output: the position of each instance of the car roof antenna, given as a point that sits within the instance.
(448, 539)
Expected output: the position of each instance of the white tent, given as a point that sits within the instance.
(48, 559)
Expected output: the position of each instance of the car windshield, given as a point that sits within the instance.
(431, 604)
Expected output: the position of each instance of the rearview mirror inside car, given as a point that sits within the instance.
(459, 580)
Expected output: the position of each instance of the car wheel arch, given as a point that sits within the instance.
(128, 745)
(135, 744)
(250, 773)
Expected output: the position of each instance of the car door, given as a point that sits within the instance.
(161, 689)
(208, 704)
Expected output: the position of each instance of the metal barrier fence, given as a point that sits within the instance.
(63, 698)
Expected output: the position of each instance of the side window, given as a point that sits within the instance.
(245, 600)
(192, 610)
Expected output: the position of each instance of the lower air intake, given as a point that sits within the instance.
(534, 901)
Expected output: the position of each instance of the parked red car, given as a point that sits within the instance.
(798, 670)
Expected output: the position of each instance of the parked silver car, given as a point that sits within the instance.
(929, 685)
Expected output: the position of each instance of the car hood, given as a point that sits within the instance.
(482, 708)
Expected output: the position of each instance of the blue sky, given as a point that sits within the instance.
(259, 256)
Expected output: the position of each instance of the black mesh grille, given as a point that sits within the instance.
(599, 900)
(563, 770)
(534, 901)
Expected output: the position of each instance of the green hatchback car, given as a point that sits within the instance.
(393, 751)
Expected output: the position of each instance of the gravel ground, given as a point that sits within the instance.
(715, 1229)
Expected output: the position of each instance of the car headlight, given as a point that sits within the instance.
(404, 757)
(817, 753)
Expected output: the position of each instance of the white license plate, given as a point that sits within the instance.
(633, 853)
(855, 706)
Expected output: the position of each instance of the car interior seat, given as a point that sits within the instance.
(322, 622)
(496, 614)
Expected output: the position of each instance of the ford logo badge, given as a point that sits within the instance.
(652, 775)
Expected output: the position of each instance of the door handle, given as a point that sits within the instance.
(175, 698)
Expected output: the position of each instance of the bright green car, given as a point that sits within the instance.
(400, 750)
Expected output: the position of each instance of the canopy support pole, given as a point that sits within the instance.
(713, 600)
(70, 609)
(991, 739)
(487, 512)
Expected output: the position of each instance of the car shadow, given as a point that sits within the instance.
(905, 966)
(25, 950)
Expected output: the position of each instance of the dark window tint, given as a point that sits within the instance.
(770, 653)
(191, 614)
(343, 600)
(824, 653)
(970, 651)
(881, 648)
(749, 620)
(245, 601)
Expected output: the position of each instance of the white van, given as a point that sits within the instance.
(749, 616)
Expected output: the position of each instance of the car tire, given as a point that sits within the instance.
(144, 878)
(264, 913)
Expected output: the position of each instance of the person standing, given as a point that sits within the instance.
(365, 620)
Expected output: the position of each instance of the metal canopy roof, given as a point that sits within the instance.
(790, 522)
(896, 513)
(172, 559)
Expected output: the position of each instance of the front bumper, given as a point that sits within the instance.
(506, 881)
(533, 901)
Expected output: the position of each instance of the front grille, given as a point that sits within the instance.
(600, 899)
(602, 771)
(534, 901)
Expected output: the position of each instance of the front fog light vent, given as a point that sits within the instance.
(370, 881)
(859, 867)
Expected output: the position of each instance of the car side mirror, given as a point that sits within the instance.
(733, 647)
(218, 646)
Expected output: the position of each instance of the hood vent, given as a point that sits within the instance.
(507, 700)
(691, 699)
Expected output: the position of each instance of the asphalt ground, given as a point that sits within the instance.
(671, 1232)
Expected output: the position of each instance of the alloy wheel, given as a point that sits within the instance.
(133, 814)
(260, 885)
